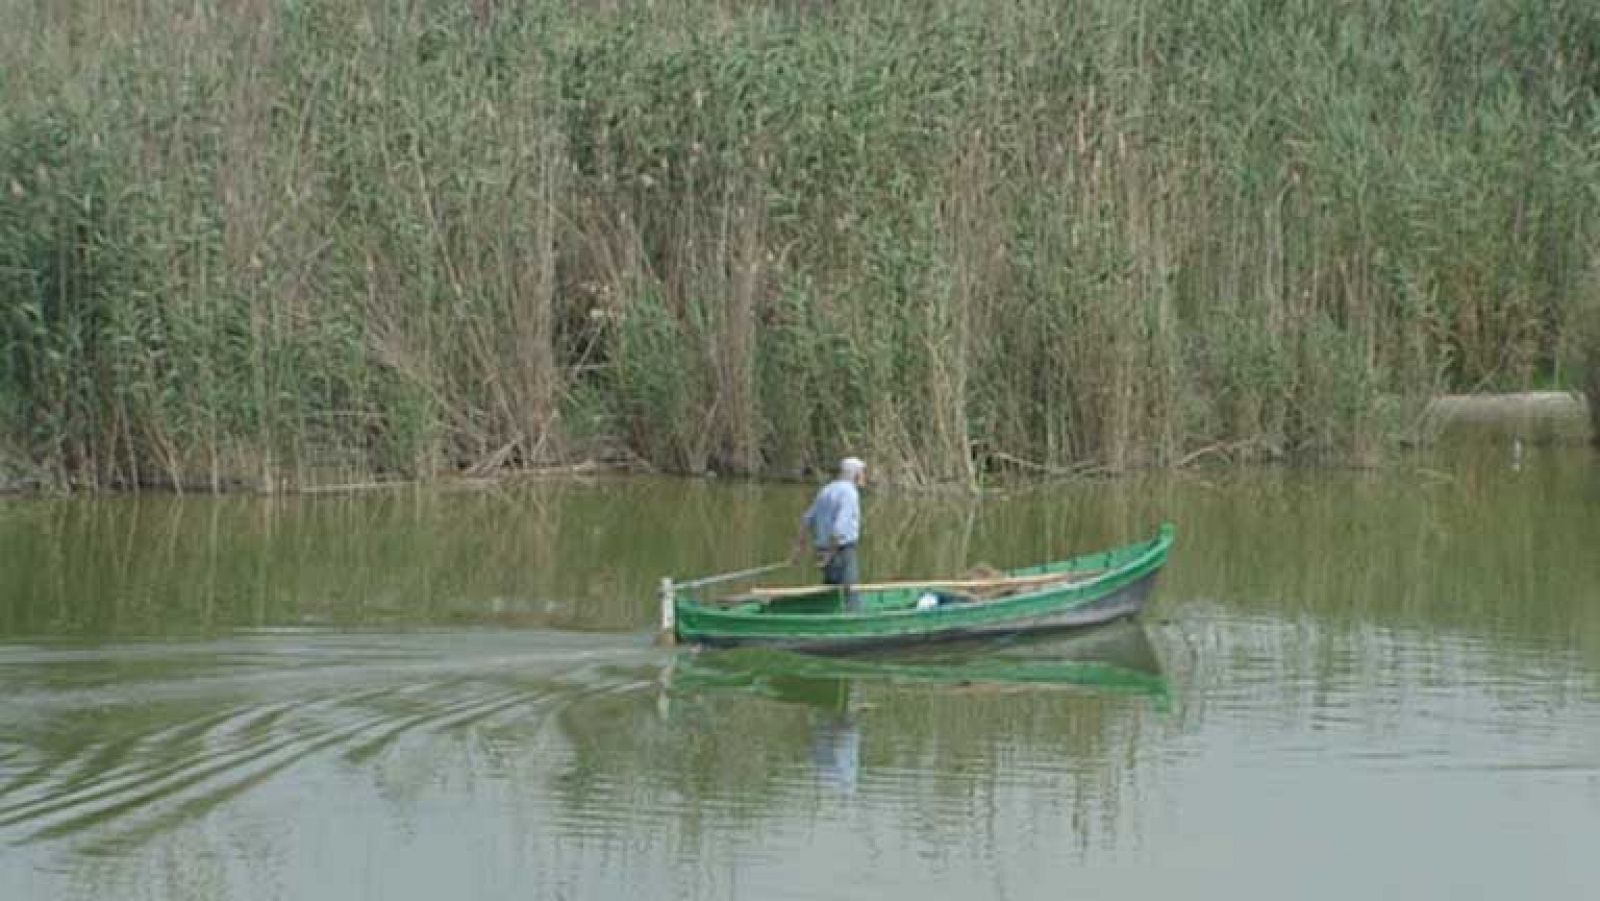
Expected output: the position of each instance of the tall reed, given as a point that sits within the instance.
(257, 243)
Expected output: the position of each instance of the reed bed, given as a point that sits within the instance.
(261, 243)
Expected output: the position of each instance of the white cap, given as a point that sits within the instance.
(850, 467)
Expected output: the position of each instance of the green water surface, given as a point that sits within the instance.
(1350, 684)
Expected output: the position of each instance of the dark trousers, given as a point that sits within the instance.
(844, 570)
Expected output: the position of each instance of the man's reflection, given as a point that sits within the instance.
(836, 743)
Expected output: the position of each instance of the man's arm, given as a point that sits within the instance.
(802, 541)
(825, 555)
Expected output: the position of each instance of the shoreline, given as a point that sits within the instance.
(1547, 415)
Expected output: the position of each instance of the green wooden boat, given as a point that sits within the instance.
(1067, 594)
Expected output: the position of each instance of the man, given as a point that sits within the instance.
(832, 525)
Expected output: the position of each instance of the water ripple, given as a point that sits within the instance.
(171, 744)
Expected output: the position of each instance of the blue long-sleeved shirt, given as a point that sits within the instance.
(835, 514)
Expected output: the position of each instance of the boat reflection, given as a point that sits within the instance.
(1114, 658)
(839, 691)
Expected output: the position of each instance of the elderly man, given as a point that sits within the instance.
(832, 525)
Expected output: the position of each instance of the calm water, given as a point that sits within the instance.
(1351, 684)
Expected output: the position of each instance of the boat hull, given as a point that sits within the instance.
(1124, 580)
(1123, 603)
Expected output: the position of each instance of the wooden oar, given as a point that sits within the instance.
(951, 584)
(729, 577)
(668, 594)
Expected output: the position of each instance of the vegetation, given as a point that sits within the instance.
(1582, 353)
(259, 241)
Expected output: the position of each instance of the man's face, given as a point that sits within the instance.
(861, 477)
